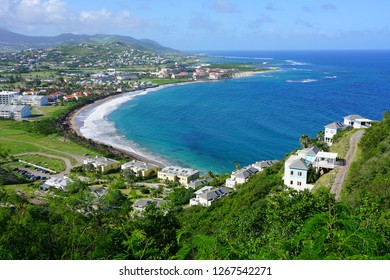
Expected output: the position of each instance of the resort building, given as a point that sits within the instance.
(178, 174)
(102, 164)
(206, 196)
(331, 130)
(31, 100)
(16, 112)
(296, 172)
(357, 121)
(240, 176)
(139, 168)
(7, 96)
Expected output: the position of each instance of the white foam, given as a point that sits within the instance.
(330, 77)
(293, 62)
(304, 81)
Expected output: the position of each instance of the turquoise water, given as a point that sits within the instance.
(212, 125)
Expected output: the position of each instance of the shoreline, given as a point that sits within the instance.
(102, 132)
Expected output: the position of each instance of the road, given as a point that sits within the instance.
(350, 157)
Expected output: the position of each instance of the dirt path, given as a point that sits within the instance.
(343, 171)
(68, 164)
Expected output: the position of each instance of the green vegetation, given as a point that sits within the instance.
(54, 164)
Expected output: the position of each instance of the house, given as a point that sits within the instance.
(260, 165)
(178, 174)
(102, 164)
(197, 183)
(240, 176)
(57, 183)
(296, 171)
(16, 112)
(326, 160)
(357, 121)
(141, 204)
(139, 168)
(208, 196)
(309, 153)
(331, 130)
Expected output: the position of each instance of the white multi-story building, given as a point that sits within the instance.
(16, 112)
(357, 121)
(102, 164)
(295, 173)
(240, 176)
(7, 96)
(31, 100)
(207, 195)
(331, 130)
(178, 174)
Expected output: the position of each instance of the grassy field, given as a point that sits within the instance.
(17, 140)
(342, 145)
(54, 164)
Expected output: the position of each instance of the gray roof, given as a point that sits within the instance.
(144, 202)
(215, 194)
(336, 125)
(353, 117)
(11, 108)
(310, 151)
(265, 163)
(246, 173)
(301, 164)
(197, 183)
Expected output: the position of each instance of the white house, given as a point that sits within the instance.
(199, 182)
(357, 121)
(326, 160)
(331, 130)
(260, 165)
(16, 112)
(58, 183)
(240, 176)
(139, 168)
(178, 174)
(296, 172)
(207, 197)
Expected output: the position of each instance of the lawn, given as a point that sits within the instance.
(54, 164)
(17, 140)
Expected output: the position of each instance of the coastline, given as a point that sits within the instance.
(96, 128)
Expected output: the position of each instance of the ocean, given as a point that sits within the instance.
(212, 125)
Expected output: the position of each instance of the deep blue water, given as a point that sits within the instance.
(212, 125)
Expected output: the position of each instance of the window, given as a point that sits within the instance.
(291, 172)
(291, 182)
(299, 183)
(299, 173)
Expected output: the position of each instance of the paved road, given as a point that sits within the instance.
(343, 171)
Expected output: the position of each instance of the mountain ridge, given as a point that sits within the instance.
(12, 41)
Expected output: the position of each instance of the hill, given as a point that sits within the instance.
(11, 41)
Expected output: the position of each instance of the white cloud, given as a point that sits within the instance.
(53, 16)
(224, 6)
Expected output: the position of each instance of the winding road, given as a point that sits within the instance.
(350, 157)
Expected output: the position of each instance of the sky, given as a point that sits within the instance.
(211, 24)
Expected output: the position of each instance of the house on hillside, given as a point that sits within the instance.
(57, 183)
(309, 153)
(296, 171)
(240, 176)
(357, 121)
(197, 183)
(326, 160)
(208, 195)
(16, 112)
(331, 130)
(260, 165)
(141, 204)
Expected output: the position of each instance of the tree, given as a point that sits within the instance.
(304, 140)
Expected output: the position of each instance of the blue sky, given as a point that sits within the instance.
(211, 24)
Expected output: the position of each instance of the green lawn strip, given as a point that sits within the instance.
(342, 145)
(54, 164)
(326, 180)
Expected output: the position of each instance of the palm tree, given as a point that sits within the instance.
(320, 135)
(304, 140)
(237, 163)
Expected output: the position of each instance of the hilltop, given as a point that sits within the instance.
(11, 41)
